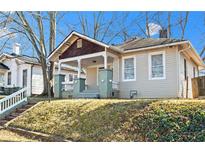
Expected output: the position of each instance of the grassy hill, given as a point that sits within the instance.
(118, 120)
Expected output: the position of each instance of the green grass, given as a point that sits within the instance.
(9, 136)
(118, 120)
(84, 120)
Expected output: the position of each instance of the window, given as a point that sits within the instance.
(129, 69)
(24, 78)
(1, 79)
(79, 43)
(185, 69)
(157, 65)
(9, 78)
(70, 78)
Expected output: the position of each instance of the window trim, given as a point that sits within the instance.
(123, 60)
(163, 62)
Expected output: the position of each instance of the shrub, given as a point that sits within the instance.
(168, 121)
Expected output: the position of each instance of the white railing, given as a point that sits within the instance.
(11, 101)
(115, 85)
(67, 86)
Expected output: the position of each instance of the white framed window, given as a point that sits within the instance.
(129, 68)
(157, 65)
(70, 78)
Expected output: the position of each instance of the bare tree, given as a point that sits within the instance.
(52, 44)
(183, 23)
(147, 24)
(169, 24)
(32, 26)
(99, 27)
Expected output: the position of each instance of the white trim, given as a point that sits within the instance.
(157, 46)
(123, 77)
(150, 65)
(81, 36)
(82, 57)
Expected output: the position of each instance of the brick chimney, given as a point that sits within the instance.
(163, 33)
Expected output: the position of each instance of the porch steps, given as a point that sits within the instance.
(91, 93)
(17, 112)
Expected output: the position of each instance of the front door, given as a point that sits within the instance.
(91, 77)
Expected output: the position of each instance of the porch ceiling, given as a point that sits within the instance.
(90, 61)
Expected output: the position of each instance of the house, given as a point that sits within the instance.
(17, 71)
(138, 68)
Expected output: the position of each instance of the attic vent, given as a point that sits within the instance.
(79, 43)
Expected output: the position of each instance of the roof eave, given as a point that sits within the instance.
(156, 46)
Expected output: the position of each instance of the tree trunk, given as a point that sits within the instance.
(52, 43)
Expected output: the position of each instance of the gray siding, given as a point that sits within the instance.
(165, 88)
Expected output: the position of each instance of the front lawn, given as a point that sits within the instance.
(118, 120)
(84, 120)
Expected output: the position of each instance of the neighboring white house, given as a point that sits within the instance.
(148, 68)
(17, 71)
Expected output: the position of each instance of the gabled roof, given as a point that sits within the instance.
(24, 58)
(76, 34)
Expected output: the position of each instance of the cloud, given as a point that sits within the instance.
(153, 29)
(4, 32)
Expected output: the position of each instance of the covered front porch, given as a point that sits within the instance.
(101, 79)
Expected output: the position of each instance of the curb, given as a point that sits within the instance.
(37, 135)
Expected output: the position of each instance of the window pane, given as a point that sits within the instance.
(157, 71)
(9, 78)
(24, 78)
(70, 77)
(129, 69)
(157, 66)
(157, 60)
(129, 63)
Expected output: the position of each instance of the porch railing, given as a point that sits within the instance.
(12, 101)
(115, 85)
(67, 86)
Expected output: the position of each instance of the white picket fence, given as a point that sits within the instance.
(13, 100)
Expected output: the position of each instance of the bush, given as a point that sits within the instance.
(167, 121)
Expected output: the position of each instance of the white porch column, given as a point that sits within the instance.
(79, 67)
(105, 60)
(59, 67)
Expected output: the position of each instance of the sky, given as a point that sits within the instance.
(195, 30)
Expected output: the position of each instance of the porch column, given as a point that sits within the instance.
(105, 60)
(58, 79)
(79, 67)
(105, 83)
(79, 83)
(59, 67)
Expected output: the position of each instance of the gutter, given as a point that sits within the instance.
(154, 47)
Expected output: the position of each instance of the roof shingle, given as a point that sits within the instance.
(138, 43)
